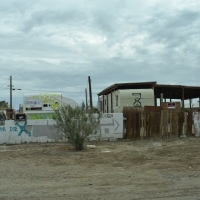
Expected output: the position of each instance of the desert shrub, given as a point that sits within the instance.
(76, 124)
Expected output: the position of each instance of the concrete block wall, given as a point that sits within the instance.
(13, 132)
(31, 131)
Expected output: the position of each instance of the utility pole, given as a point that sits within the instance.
(86, 99)
(90, 91)
(11, 93)
(11, 111)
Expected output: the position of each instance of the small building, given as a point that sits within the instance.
(119, 95)
(128, 97)
(36, 108)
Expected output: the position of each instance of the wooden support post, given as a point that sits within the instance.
(111, 102)
(155, 100)
(177, 124)
(129, 129)
(145, 124)
(90, 92)
(134, 130)
(142, 126)
(185, 123)
(148, 126)
(161, 124)
(170, 121)
(11, 97)
(107, 103)
(99, 104)
(86, 101)
(180, 123)
(190, 100)
(103, 104)
(183, 97)
(161, 98)
(167, 124)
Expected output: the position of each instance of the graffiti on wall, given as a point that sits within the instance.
(16, 132)
(17, 128)
(137, 98)
(11, 129)
(22, 128)
(2, 129)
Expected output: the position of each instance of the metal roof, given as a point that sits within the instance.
(169, 91)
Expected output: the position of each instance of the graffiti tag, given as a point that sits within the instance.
(22, 129)
(2, 128)
(13, 129)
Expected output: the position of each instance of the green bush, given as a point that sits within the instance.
(76, 124)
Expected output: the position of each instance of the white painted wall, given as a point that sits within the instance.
(196, 118)
(111, 126)
(34, 131)
(127, 98)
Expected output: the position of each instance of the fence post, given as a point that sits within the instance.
(177, 124)
(164, 124)
(185, 123)
(170, 123)
(167, 124)
(145, 124)
(161, 123)
(142, 126)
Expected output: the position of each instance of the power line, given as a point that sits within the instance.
(44, 90)
(4, 78)
(4, 83)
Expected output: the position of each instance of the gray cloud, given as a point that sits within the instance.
(54, 17)
(55, 46)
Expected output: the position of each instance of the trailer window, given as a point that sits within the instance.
(116, 100)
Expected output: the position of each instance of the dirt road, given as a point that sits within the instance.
(145, 169)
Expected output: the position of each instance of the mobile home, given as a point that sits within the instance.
(115, 97)
(37, 107)
(122, 98)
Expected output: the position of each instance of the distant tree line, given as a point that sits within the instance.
(3, 104)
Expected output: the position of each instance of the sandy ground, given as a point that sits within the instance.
(148, 169)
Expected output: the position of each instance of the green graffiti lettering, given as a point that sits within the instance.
(13, 129)
(2, 129)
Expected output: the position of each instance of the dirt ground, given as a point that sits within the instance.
(146, 169)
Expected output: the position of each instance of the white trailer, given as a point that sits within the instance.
(127, 97)
(35, 108)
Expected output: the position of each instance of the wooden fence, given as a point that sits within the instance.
(152, 122)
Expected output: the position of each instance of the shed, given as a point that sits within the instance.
(160, 91)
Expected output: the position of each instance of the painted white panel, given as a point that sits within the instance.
(196, 118)
(111, 125)
(2, 134)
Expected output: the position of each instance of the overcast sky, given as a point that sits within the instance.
(48, 45)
